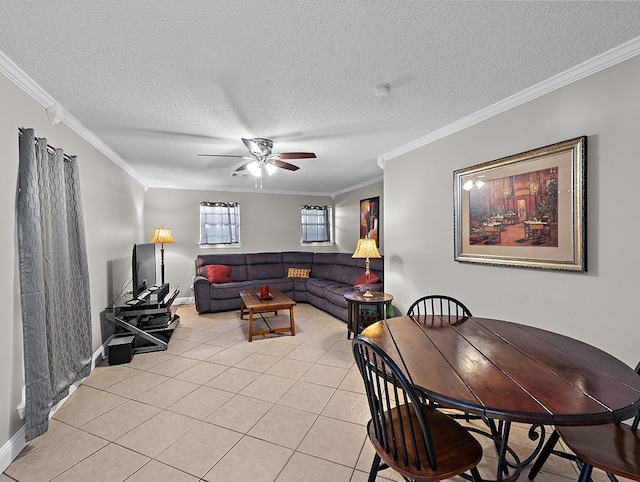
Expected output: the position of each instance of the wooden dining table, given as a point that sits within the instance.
(507, 372)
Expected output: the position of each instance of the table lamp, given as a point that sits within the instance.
(162, 235)
(366, 248)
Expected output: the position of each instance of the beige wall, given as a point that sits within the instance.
(597, 307)
(113, 209)
(348, 216)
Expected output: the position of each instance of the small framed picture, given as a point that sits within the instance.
(370, 219)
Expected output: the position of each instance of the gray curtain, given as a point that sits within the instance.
(54, 278)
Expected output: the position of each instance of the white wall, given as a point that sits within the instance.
(597, 307)
(348, 216)
(112, 207)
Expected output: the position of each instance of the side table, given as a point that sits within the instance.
(355, 302)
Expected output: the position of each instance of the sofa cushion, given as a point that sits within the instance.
(218, 273)
(297, 258)
(264, 266)
(229, 290)
(300, 284)
(298, 272)
(282, 284)
(339, 267)
(335, 294)
(322, 271)
(317, 286)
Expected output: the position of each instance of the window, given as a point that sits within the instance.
(316, 222)
(219, 223)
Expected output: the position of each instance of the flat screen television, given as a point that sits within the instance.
(143, 267)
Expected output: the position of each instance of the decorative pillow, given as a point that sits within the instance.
(298, 272)
(373, 278)
(218, 273)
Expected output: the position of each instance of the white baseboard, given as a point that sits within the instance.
(183, 301)
(12, 448)
(16, 444)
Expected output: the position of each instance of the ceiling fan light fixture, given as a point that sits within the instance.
(270, 168)
(254, 168)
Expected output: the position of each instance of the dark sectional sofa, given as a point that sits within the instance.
(332, 275)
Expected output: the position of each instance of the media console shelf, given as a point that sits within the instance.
(150, 321)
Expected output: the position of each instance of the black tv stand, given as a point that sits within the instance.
(150, 320)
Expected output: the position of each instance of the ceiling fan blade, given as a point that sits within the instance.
(252, 146)
(285, 165)
(244, 166)
(296, 155)
(219, 155)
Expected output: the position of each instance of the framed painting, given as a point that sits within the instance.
(526, 210)
(370, 219)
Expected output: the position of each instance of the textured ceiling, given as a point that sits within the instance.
(160, 82)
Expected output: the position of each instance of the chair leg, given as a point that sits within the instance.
(373, 473)
(544, 454)
(475, 475)
(585, 473)
(612, 477)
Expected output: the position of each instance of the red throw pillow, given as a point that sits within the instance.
(218, 273)
(373, 278)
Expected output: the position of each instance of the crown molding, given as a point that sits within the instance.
(358, 186)
(28, 85)
(268, 191)
(600, 62)
(238, 189)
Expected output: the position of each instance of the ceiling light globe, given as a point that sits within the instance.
(254, 168)
(270, 169)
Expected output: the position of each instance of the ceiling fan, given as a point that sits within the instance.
(261, 156)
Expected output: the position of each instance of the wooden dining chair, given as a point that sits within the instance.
(613, 448)
(441, 305)
(410, 437)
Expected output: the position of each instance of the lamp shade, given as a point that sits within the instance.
(162, 235)
(366, 248)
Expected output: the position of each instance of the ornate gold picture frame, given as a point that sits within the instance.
(526, 210)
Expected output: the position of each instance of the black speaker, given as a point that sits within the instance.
(158, 295)
(120, 350)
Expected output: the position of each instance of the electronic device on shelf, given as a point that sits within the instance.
(144, 295)
(143, 269)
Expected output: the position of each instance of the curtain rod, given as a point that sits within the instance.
(50, 148)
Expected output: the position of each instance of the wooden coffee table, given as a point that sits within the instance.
(250, 303)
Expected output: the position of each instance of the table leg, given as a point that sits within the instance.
(250, 325)
(293, 326)
(349, 319)
(242, 308)
(499, 434)
(502, 451)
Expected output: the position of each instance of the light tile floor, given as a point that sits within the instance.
(215, 407)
